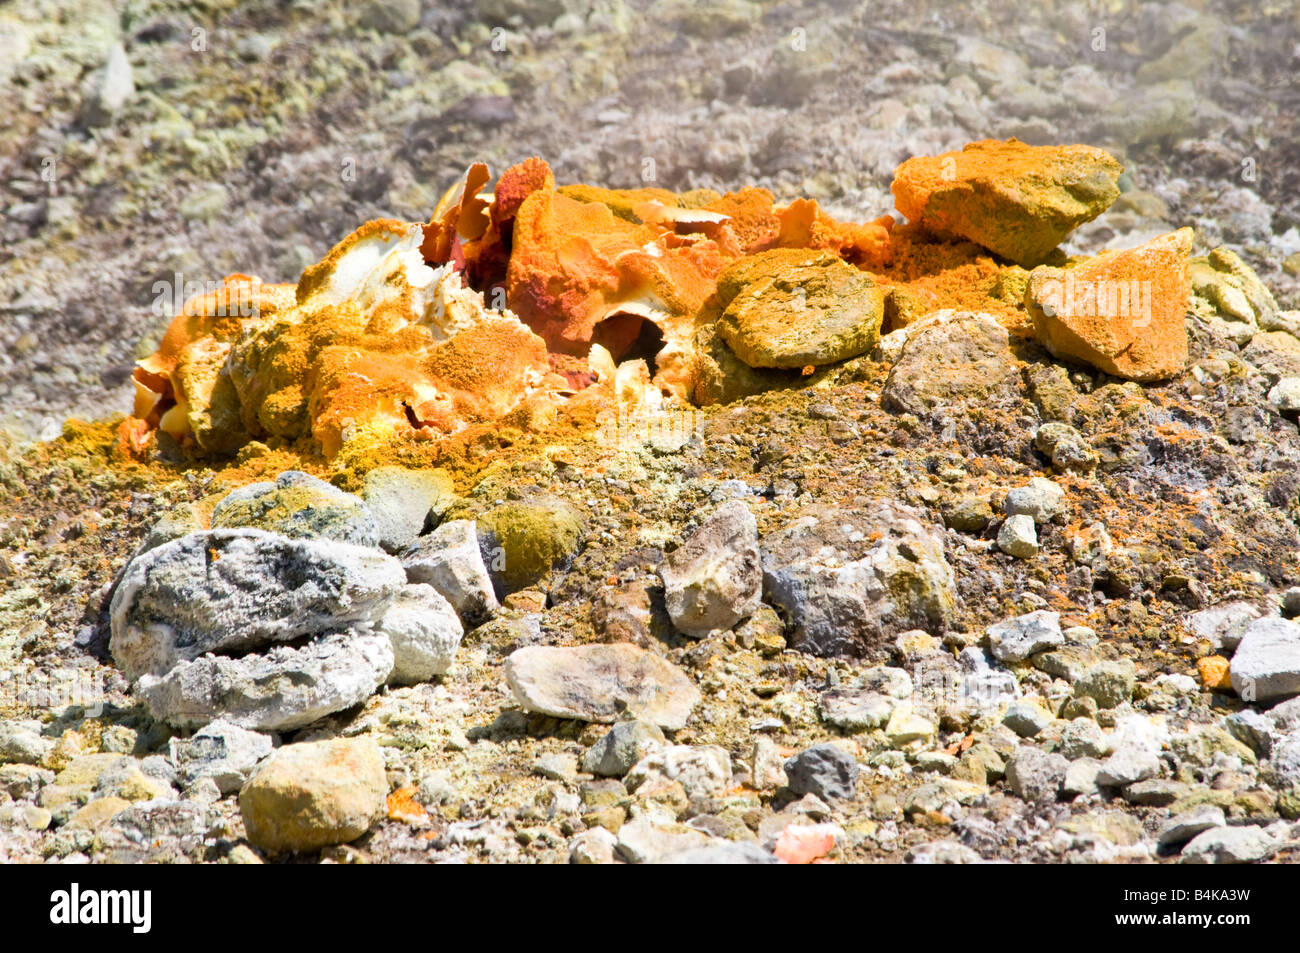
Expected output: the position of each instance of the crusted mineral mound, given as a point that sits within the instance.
(516, 295)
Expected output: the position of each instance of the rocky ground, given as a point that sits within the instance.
(922, 608)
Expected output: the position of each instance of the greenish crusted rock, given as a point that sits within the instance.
(523, 542)
(806, 315)
(767, 264)
(300, 506)
(1016, 200)
(404, 503)
(1226, 287)
(721, 377)
(1108, 683)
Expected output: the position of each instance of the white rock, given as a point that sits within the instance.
(283, 689)
(1136, 757)
(109, 89)
(1183, 827)
(1229, 845)
(1081, 777)
(1266, 665)
(1018, 537)
(220, 752)
(645, 841)
(1041, 500)
(595, 846)
(235, 590)
(701, 770)
(1222, 625)
(449, 559)
(1014, 640)
(715, 578)
(424, 632)
(1285, 395)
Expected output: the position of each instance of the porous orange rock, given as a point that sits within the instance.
(805, 225)
(1122, 312)
(580, 275)
(460, 216)
(372, 344)
(179, 388)
(1213, 670)
(1017, 200)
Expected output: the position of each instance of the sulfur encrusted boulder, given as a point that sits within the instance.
(1122, 312)
(1016, 200)
(816, 313)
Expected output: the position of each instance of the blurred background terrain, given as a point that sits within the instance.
(150, 143)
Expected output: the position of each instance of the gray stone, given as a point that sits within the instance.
(283, 689)
(765, 770)
(855, 710)
(724, 852)
(237, 590)
(221, 752)
(848, 580)
(715, 578)
(1183, 827)
(1285, 396)
(1027, 718)
(424, 632)
(1066, 448)
(1266, 665)
(894, 682)
(1040, 499)
(952, 360)
(1018, 537)
(1034, 775)
(1229, 845)
(1155, 792)
(615, 754)
(21, 781)
(1083, 738)
(1014, 640)
(1254, 729)
(1283, 769)
(825, 770)
(645, 841)
(558, 766)
(1130, 762)
(449, 559)
(1285, 716)
(941, 852)
(404, 502)
(299, 505)
(595, 846)
(600, 683)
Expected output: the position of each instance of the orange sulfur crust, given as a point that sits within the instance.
(405, 333)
